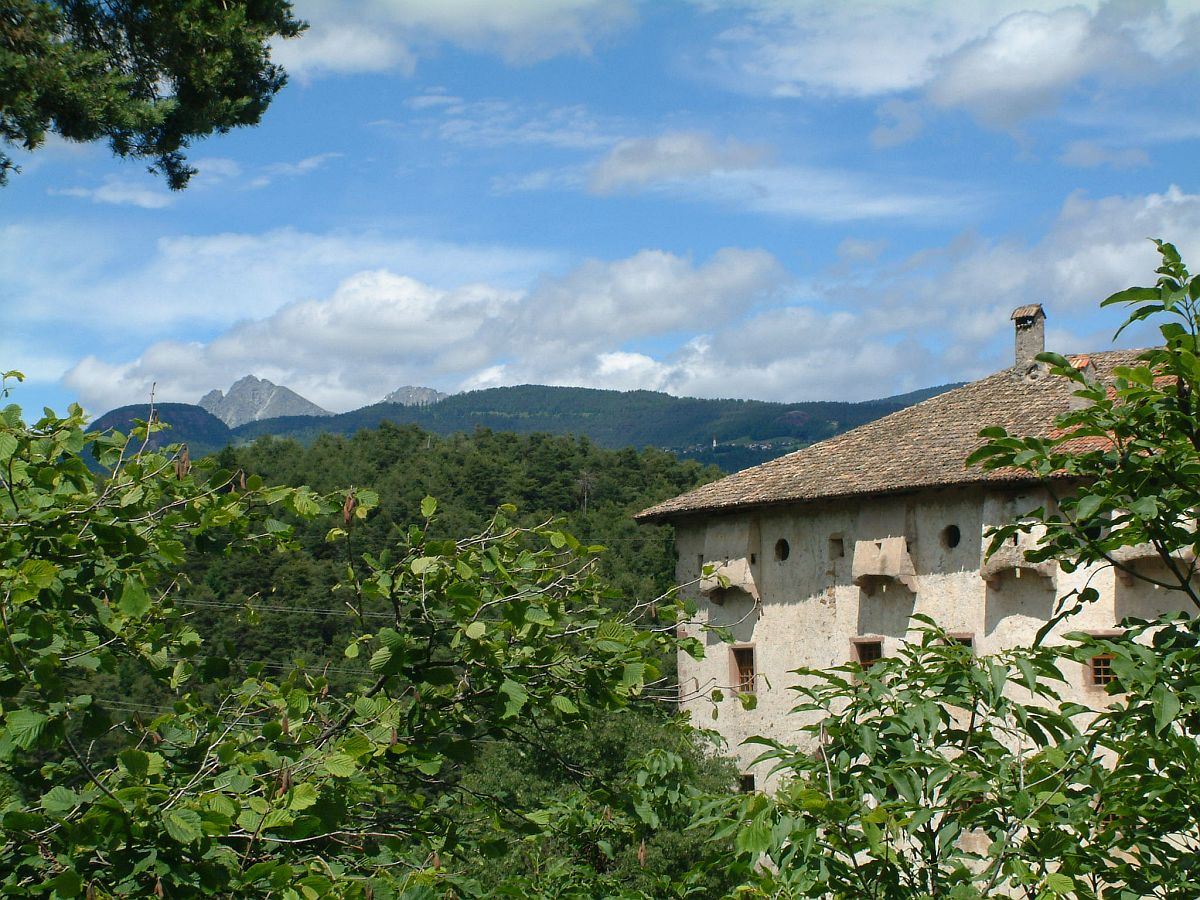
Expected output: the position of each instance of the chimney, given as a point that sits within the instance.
(1031, 333)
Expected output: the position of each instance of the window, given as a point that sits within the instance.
(782, 550)
(951, 536)
(868, 652)
(964, 640)
(743, 669)
(746, 783)
(837, 547)
(700, 562)
(1101, 671)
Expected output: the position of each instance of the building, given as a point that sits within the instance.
(829, 551)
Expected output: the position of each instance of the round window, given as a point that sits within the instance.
(951, 536)
(782, 550)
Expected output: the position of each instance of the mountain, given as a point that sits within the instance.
(253, 399)
(730, 433)
(191, 425)
(414, 396)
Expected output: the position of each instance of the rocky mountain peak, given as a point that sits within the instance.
(414, 396)
(251, 399)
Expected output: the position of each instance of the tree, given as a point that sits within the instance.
(252, 777)
(940, 774)
(1124, 467)
(149, 76)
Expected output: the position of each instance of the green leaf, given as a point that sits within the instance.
(25, 726)
(1166, 707)
(1144, 507)
(1086, 507)
(183, 825)
(68, 884)
(39, 573)
(515, 698)
(1060, 883)
(754, 837)
(59, 800)
(423, 564)
(538, 616)
(428, 507)
(340, 765)
(136, 762)
(564, 705)
(475, 630)
(303, 796)
(134, 602)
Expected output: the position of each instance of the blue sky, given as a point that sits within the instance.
(754, 198)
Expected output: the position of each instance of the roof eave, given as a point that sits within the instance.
(650, 517)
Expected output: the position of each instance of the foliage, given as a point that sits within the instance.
(613, 419)
(936, 773)
(149, 77)
(252, 779)
(939, 774)
(1133, 445)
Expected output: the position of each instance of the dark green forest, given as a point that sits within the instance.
(266, 613)
(747, 432)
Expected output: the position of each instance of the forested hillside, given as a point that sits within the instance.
(544, 476)
(746, 432)
(266, 612)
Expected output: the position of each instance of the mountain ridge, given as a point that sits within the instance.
(252, 399)
(730, 433)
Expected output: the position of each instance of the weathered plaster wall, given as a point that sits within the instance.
(809, 608)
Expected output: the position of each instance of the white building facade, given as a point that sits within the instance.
(828, 552)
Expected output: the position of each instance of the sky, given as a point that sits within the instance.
(772, 199)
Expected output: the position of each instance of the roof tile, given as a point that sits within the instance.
(923, 446)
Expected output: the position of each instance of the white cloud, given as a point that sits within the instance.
(381, 35)
(1021, 66)
(120, 192)
(1091, 155)
(868, 48)
(500, 123)
(856, 250)
(302, 167)
(637, 162)
(734, 324)
(378, 330)
(695, 166)
(1001, 60)
(823, 195)
(109, 286)
(899, 122)
(214, 169)
(432, 98)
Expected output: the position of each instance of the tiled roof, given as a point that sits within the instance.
(1028, 311)
(923, 446)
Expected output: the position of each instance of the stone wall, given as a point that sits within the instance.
(809, 609)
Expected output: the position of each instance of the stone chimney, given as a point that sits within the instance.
(1031, 333)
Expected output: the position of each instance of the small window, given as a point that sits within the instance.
(743, 664)
(753, 558)
(963, 640)
(782, 550)
(951, 536)
(837, 548)
(746, 783)
(867, 653)
(700, 562)
(1101, 670)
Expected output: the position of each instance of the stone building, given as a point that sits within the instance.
(830, 550)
